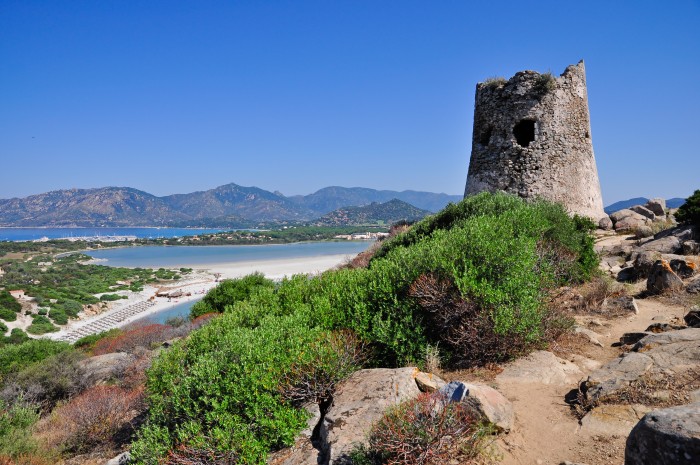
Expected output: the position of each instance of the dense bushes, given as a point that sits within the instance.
(487, 263)
(19, 356)
(8, 302)
(229, 292)
(16, 422)
(689, 212)
(41, 325)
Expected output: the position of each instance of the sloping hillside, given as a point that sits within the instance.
(375, 213)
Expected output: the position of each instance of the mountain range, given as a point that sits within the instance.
(230, 205)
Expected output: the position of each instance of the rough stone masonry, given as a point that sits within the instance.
(532, 137)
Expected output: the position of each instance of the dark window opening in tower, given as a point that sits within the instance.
(524, 132)
(485, 137)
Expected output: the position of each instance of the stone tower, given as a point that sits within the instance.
(532, 137)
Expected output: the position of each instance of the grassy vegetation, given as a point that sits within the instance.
(486, 263)
(15, 357)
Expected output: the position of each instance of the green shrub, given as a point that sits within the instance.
(7, 315)
(8, 302)
(3, 328)
(16, 423)
(41, 325)
(15, 357)
(17, 336)
(112, 297)
(689, 212)
(221, 388)
(228, 292)
(58, 316)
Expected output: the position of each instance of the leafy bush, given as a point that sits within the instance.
(17, 336)
(7, 315)
(8, 302)
(221, 388)
(427, 430)
(58, 316)
(41, 325)
(16, 422)
(3, 328)
(112, 297)
(228, 292)
(689, 212)
(14, 358)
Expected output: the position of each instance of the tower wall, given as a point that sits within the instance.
(532, 137)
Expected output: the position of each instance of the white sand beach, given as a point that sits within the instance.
(204, 277)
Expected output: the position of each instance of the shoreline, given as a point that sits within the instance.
(144, 304)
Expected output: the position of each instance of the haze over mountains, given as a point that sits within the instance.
(229, 205)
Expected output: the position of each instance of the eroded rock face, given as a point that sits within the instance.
(657, 206)
(103, 368)
(644, 212)
(668, 244)
(359, 402)
(605, 223)
(665, 437)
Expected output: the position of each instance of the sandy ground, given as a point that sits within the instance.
(201, 280)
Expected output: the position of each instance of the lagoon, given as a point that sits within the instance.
(201, 256)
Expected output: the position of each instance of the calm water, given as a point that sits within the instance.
(176, 256)
(182, 309)
(29, 234)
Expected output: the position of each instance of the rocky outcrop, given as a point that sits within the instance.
(666, 437)
(668, 352)
(104, 368)
(359, 402)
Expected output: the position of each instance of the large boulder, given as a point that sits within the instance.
(657, 206)
(605, 223)
(692, 318)
(665, 437)
(683, 268)
(668, 244)
(484, 401)
(663, 279)
(645, 212)
(690, 247)
(105, 368)
(358, 403)
(629, 222)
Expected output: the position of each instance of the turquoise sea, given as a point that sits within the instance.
(30, 234)
(185, 256)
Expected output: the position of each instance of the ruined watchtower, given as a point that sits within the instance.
(532, 137)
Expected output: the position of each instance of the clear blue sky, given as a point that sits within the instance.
(177, 96)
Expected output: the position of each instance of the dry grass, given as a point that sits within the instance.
(658, 390)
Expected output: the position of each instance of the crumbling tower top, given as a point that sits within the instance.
(532, 137)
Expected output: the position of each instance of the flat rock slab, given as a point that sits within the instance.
(540, 367)
(668, 352)
(665, 437)
(361, 401)
(612, 420)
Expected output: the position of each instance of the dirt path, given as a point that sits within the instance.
(546, 431)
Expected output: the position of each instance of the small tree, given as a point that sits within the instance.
(689, 212)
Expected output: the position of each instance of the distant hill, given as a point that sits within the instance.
(670, 203)
(230, 205)
(331, 198)
(251, 203)
(375, 213)
(106, 206)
